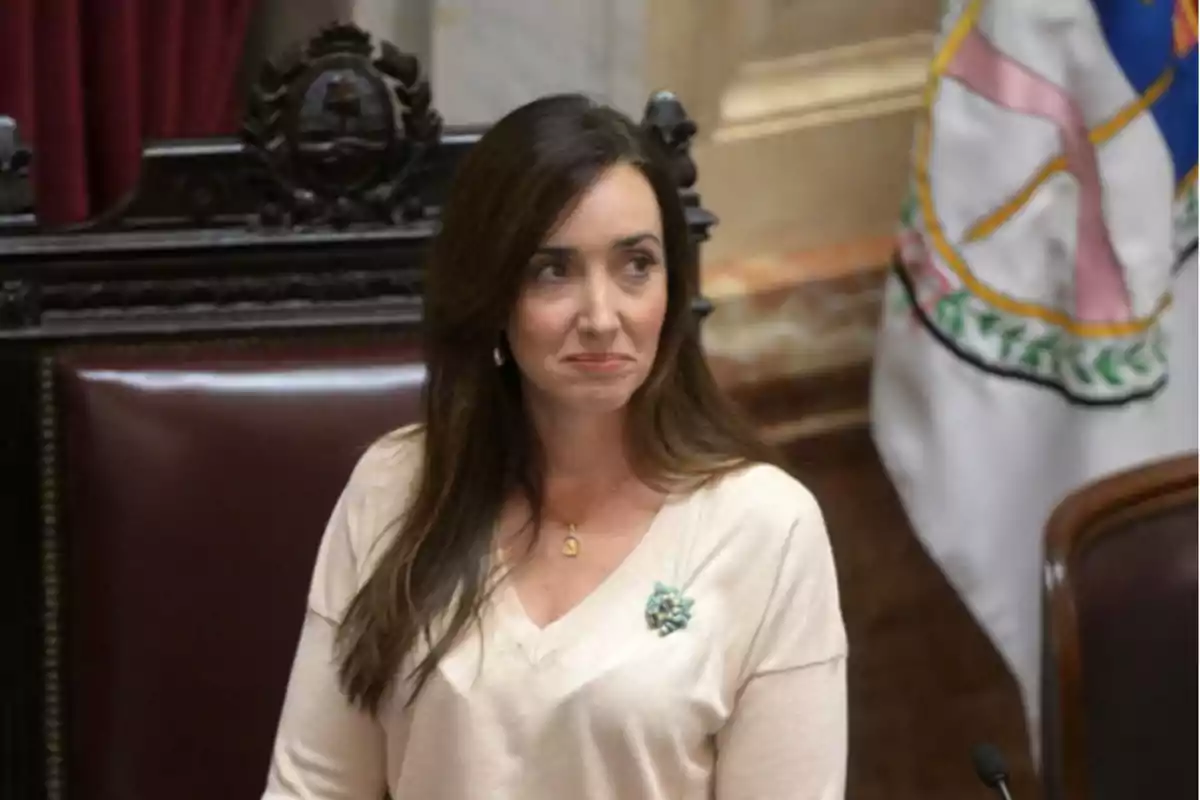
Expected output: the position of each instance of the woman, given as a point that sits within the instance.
(580, 578)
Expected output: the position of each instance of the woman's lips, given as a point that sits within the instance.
(600, 362)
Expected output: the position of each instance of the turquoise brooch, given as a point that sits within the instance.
(667, 610)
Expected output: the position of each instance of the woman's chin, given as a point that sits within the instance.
(594, 399)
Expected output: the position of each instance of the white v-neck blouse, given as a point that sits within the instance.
(748, 700)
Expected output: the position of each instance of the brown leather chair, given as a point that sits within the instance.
(1121, 631)
(195, 482)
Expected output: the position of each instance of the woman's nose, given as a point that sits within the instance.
(599, 313)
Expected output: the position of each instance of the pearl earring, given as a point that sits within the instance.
(498, 356)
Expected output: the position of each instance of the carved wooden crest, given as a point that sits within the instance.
(339, 136)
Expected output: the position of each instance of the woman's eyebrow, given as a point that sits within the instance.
(636, 239)
(562, 251)
(556, 252)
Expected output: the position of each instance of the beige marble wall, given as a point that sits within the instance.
(408, 24)
(278, 24)
(491, 56)
(807, 109)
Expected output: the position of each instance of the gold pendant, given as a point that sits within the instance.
(570, 545)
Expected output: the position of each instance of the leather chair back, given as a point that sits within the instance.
(195, 484)
(1121, 602)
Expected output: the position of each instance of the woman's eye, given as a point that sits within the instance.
(549, 271)
(640, 263)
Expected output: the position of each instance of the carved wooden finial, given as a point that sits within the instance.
(666, 120)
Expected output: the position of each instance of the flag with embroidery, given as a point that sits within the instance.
(1039, 329)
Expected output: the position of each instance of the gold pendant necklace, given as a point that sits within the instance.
(570, 545)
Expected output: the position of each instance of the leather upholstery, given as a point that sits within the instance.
(1135, 595)
(195, 486)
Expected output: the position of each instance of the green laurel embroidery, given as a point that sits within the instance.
(1156, 346)
(1107, 368)
(1103, 369)
(951, 312)
(987, 321)
(1074, 361)
(1051, 354)
(1135, 358)
(1043, 349)
(1010, 339)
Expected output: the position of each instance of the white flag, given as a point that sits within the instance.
(1040, 324)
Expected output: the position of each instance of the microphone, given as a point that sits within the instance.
(991, 769)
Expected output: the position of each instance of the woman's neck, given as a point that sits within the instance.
(585, 453)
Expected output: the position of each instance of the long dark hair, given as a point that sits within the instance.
(480, 449)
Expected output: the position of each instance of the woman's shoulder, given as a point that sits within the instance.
(758, 513)
(381, 486)
(390, 460)
(778, 570)
(762, 494)
(357, 532)
(766, 544)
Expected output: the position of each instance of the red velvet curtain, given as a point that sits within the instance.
(89, 80)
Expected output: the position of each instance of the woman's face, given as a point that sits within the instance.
(585, 329)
